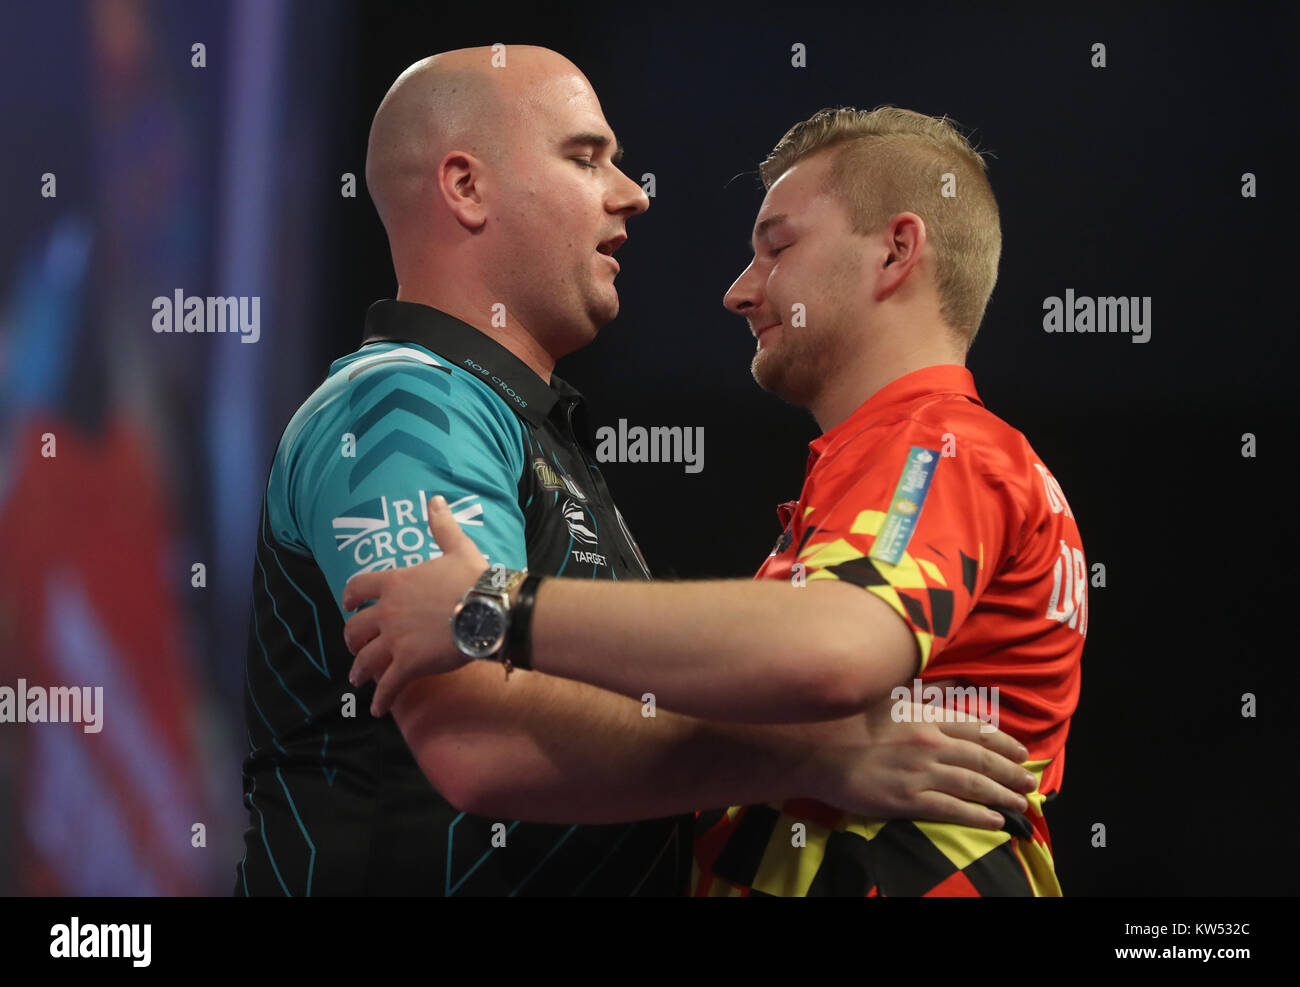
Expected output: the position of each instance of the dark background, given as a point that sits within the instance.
(1123, 180)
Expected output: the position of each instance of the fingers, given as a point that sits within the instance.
(979, 732)
(361, 629)
(375, 661)
(389, 684)
(446, 530)
(372, 661)
(974, 785)
(940, 807)
(362, 587)
(970, 753)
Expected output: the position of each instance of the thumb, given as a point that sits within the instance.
(445, 529)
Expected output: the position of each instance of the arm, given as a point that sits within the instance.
(734, 650)
(524, 749)
(739, 650)
(856, 624)
(549, 750)
(545, 748)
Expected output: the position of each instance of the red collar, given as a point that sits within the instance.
(943, 378)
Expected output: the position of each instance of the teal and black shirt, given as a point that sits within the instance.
(337, 805)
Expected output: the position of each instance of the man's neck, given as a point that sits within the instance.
(857, 382)
(514, 337)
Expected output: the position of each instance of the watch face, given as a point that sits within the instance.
(479, 628)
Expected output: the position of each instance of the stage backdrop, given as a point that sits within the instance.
(154, 149)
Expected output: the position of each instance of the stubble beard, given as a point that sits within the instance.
(797, 368)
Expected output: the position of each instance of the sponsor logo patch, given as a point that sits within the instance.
(552, 479)
(388, 533)
(905, 506)
(576, 518)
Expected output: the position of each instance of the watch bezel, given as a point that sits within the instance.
(498, 642)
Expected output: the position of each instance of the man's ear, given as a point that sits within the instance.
(905, 243)
(461, 183)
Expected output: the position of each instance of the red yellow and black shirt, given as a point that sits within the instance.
(944, 511)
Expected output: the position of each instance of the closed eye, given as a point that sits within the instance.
(586, 164)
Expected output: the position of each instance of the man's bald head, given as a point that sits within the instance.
(455, 100)
(496, 176)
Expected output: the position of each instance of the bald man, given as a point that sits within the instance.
(495, 174)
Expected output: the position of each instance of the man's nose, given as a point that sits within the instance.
(630, 197)
(743, 295)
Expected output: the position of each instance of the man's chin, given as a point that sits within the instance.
(602, 313)
(768, 374)
(779, 380)
(579, 329)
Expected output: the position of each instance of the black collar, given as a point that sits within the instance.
(410, 322)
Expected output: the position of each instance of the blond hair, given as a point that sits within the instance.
(892, 160)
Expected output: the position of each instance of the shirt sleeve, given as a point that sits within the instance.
(352, 488)
(923, 526)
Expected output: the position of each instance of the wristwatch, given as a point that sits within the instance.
(481, 619)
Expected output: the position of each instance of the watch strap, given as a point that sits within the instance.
(497, 581)
(519, 633)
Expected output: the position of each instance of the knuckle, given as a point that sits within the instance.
(990, 761)
(963, 785)
(907, 786)
(930, 738)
